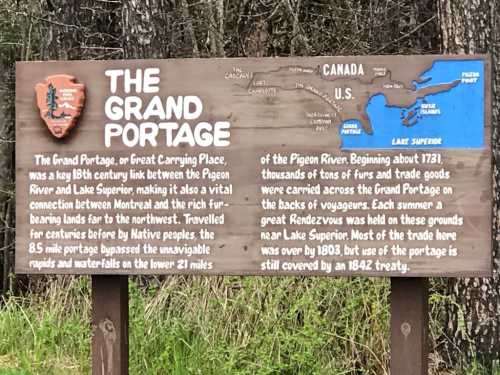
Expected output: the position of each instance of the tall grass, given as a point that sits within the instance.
(260, 326)
(47, 333)
(198, 325)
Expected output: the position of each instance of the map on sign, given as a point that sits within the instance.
(376, 109)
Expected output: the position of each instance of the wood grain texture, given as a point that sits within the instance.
(110, 321)
(260, 124)
(409, 326)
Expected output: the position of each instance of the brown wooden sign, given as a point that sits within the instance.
(328, 166)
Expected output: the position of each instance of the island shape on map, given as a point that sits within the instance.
(357, 83)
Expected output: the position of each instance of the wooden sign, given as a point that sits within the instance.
(375, 165)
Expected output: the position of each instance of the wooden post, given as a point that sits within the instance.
(409, 326)
(109, 325)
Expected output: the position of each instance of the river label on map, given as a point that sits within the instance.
(314, 166)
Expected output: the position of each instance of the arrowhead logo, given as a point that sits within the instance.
(60, 101)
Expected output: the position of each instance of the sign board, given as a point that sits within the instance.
(374, 165)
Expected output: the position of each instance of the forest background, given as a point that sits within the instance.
(239, 325)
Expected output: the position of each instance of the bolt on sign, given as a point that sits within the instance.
(374, 165)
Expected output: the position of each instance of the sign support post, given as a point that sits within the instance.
(409, 326)
(109, 325)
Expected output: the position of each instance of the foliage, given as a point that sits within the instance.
(199, 325)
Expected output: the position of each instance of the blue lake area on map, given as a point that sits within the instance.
(448, 119)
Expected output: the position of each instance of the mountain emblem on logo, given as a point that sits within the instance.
(60, 101)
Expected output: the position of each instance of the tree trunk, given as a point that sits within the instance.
(148, 29)
(78, 29)
(7, 171)
(16, 39)
(474, 305)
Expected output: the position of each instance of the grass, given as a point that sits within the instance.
(223, 325)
